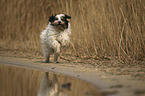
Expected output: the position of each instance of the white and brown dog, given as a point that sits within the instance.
(56, 34)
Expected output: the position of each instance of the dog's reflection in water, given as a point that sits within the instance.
(49, 86)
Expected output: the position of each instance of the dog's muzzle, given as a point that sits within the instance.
(60, 25)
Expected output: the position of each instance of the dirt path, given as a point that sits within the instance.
(122, 81)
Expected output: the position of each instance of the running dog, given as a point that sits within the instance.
(56, 35)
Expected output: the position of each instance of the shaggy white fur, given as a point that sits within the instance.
(52, 39)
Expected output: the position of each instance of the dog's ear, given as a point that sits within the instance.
(67, 17)
(51, 18)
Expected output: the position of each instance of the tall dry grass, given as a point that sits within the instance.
(99, 27)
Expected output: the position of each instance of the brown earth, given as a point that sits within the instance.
(106, 64)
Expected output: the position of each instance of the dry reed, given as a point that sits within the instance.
(99, 27)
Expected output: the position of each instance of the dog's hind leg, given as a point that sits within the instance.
(47, 59)
(46, 52)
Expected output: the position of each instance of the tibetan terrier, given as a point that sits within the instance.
(56, 34)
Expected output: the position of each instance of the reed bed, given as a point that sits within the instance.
(111, 28)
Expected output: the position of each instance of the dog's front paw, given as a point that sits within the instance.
(65, 43)
(56, 62)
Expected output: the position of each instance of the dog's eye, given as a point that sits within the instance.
(62, 18)
(56, 18)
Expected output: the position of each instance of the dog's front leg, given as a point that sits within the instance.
(57, 52)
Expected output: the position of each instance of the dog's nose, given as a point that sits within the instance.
(59, 22)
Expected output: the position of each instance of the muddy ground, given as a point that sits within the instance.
(106, 64)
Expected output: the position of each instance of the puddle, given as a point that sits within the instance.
(19, 81)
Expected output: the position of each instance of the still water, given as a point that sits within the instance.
(20, 81)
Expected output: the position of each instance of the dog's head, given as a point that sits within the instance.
(60, 21)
